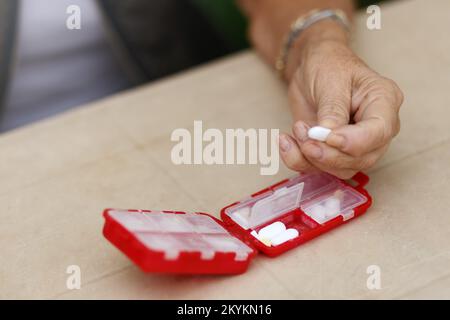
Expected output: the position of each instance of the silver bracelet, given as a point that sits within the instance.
(303, 23)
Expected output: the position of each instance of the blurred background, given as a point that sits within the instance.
(47, 68)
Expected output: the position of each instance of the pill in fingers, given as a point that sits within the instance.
(319, 133)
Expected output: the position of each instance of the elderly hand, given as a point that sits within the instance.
(331, 87)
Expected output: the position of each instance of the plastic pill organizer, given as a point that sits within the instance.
(197, 243)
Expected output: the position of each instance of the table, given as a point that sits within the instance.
(58, 175)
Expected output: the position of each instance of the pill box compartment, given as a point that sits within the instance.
(198, 243)
(177, 242)
(317, 189)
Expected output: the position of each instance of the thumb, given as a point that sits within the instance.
(378, 125)
(334, 103)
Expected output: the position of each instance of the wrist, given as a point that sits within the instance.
(326, 33)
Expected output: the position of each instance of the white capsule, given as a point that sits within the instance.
(317, 209)
(317, 212)
(272, 230)
(319, 133)
(332, 206)
(265, 241)
(287, 235)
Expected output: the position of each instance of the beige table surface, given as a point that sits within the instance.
(57, 176)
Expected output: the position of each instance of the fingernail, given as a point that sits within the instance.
(301, 132)
(285, 145)
(336, 140)
(314, 151)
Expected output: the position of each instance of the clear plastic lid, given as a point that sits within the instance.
(315, 183)
(174, 233)
(281, 201)
(267, 206)
(339, 201)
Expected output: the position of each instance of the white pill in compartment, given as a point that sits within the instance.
(272, 230)
(285, 236)
(319, 133)
(332, 206)
(317, 212)
(326, 210)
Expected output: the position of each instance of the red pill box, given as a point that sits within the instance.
(307, 206)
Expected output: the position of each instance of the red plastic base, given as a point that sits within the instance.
(297, 219)
(152, 261)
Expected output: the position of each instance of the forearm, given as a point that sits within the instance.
(270, 21)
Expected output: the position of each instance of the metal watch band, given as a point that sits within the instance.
(302, 23)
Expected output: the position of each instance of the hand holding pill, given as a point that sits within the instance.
(345, 113)
(319, 133)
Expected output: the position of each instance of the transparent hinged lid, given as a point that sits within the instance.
(340, 201)
(256, 211)
(281, 201)
(173, 233)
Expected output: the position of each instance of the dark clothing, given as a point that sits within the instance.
(150, 38)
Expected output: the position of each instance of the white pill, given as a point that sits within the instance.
(287, 235)
(265, 241)
(272, 230)
(332, 206)
(319, 133)
(318, 213)
(317, 210)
